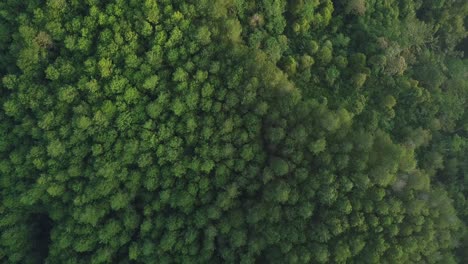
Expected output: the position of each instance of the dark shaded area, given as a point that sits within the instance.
(463, 46)
(41, 225)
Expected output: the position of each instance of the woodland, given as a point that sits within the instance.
(233, 131)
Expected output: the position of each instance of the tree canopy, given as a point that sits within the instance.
(233, 131)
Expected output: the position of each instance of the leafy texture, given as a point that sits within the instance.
(233, 131)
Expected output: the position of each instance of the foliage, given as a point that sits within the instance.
(233, 131)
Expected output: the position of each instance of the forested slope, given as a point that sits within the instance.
(233, 131)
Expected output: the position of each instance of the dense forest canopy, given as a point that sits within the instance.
(233, 131)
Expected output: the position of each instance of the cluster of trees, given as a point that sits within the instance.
(211, 131)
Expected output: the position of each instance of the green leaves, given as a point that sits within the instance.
(151, 83)
(56, 148)
(231, 131)
(119, 201)
(279, 166)
(105, 67)
(325, 55)
(203, 35)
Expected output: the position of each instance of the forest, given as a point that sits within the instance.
(233, 131)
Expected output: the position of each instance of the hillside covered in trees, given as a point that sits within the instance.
(233, 131)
